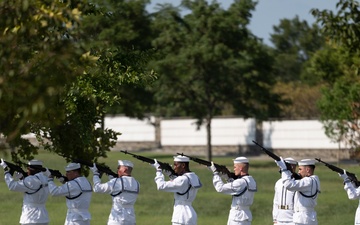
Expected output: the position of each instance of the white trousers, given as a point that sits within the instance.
(87, 222)
(284, 223)
(35, 224)
(239, 223)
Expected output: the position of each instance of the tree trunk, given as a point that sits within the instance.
(259, 136)
(208, 134)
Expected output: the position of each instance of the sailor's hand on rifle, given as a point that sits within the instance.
(47, 173)
(61, 180)
(345, 177)
(3, 163)
(224, 176)
(213, 168)
(18, 175)
(167, 173)
(281, 163)
(95, 170)
(156, 165)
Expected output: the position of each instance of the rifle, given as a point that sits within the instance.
(163, 165)
(277, 158)
(351, 176)
(17, 168)
(220, 168)
(102, 168)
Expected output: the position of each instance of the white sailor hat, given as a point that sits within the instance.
(290, 160)
(72, 166)
(307, 162)
(35, 162)
(125, 163)
(241, 160)
(180, 158)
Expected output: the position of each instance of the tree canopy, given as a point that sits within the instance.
(211, 60)
(338, 68)
(54, 84)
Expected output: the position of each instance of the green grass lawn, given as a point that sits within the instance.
(154, 207)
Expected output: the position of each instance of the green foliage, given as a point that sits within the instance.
(209, 61)
(294, 42)
(208, 51)
(38, 57)
(337, 66)
(123, 34)
(120, 23)
(155, 207)
(303, 100)
(342, 27)
(55, 86)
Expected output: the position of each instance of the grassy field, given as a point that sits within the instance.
(154, 207)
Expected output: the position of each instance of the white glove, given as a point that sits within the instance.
(61, 180)
(94, 170)
(156, 165)
(344, 176)
(213, 168)
(3, 164)
(281, 164)
(47, 173)
(167, 172)
(18, 175)
(224, 176)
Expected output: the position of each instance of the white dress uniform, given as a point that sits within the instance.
(283, 203)
(353, 193)
(36, 192)
(185, 188)
(242, 190)
(124, 192)
(78, 194)
(306, 194)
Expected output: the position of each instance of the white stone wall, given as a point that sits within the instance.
(225, 131)
(296, 134)
(131, 129)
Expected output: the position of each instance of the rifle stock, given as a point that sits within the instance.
(219, 168)
(57, 174)
(351, 176)
(163, 165)
(277, 158)
(102, 168)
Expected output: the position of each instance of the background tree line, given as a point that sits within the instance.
(66, 64)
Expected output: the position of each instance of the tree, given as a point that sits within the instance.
(37, 59)
(303, 98)
(64, 108)
(338, 67)
(211, 60)
(124, 26)
(294, 41)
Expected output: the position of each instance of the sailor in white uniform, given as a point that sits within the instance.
(242, 190)
(283, 203)
(306, 191)
(78, 192)
(36, 192)
(353, 192)
(124, 191)
(184, 186)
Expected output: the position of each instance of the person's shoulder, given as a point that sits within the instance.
(315, 177)
(190, 174)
